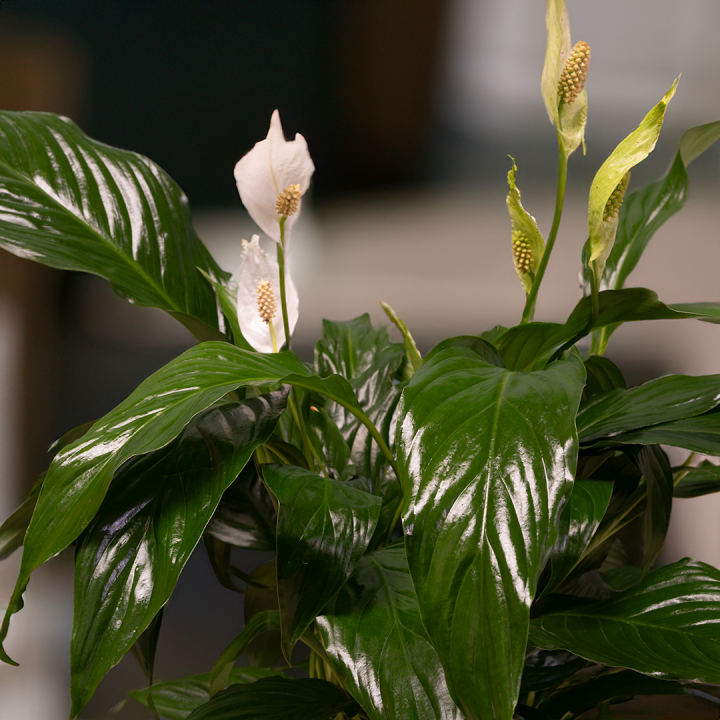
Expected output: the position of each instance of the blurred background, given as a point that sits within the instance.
(410, 109)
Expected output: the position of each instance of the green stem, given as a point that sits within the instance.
(529, 311)
(283, 296)
(308, 449)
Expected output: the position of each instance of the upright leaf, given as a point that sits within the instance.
(276, 698)
(486, 458)
(631, 151)
(73, 203)
(131, 555)
(324, 528)
(665, 626)
(373, 633)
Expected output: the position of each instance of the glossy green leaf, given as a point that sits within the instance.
(653, 463)
(245, 516)
(219, 554)
(176, 699)
(602, 376)
(12, 531)
(276, 698)
(261, 594)
(702, 479)
(487, 458)
(149, 418)
(579, 521)
(130, 557)
(373, 633)
(145, 647)
(73, 203)
(364, 356)
(524, 223)
(631, 151)
(700, 434)
(666, 626)
(607, 689)
(324, 528)
(522, 346)
(546, 669)
(668, 398)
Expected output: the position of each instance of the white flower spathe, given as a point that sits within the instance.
(269, 168)
(256, 267)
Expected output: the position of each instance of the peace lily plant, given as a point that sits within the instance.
(473, 534)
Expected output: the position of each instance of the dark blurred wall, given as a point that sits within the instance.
(193, 84)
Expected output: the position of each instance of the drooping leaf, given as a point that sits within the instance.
(277, 698)
(485, 467)
(130, 557)
(665, 399)
(176, 699)
(666, 626)
(245, 516)
(227, 300)
(546, 669)
(579, 521)
(145, 647)
(149, 418)
(373, 633)
(73, 203)
(702, 479)
(700, 434)
(653, 463)
(522, 346)
(219, 554)
(261, 594)
(631, 151)
(607, 689)
(12, 531)
(697, 140)
(525, 230)
(324, 528)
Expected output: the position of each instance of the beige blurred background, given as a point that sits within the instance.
(410, 109)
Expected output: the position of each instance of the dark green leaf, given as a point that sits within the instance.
(612, 688)
(703, 479)
(145, 647)
(655, 467)
(665, 626)
(659, 401)
(131, 555)
(700, 434)
(73, 203)
(12, 531)
(373, 633)
(227, 300)
(579, 521)
(324, 528)
(548, 668)
(245, 516)
(260, 623)
(219, 553)
(277, 698)
(487, 457)
(261, 594)
(176, 699)
(602, 376)
(149, 418)
(522, 346)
